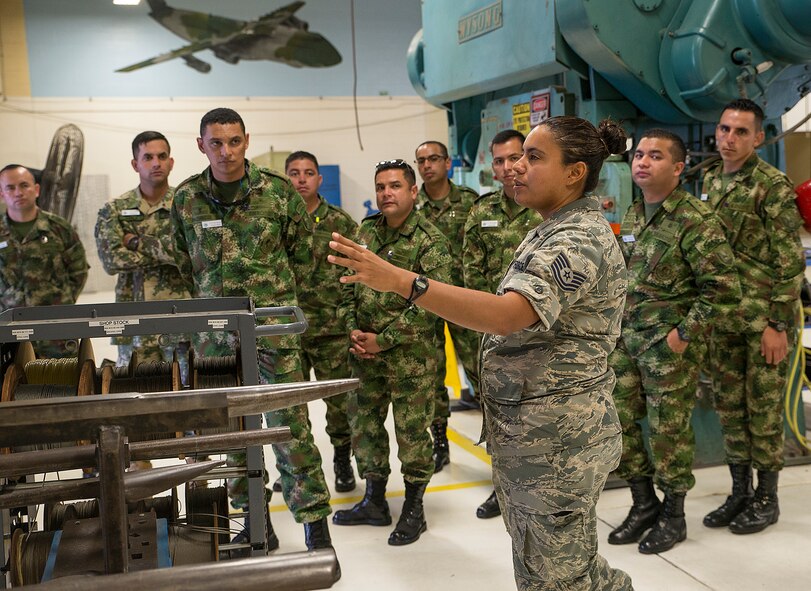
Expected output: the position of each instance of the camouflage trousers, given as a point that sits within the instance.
(748, 397)
(151, 350)
(660, 385)
(412, 403)
(551, 458)
(303, 484)
(466, 345)
(329, 357)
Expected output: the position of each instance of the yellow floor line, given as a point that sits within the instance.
(397, 493)
(469, 446)
(464, 442)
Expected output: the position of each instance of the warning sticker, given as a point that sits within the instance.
(218, 323)
(521, 118)
(540, 109)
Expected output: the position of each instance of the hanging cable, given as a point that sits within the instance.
(355, 74)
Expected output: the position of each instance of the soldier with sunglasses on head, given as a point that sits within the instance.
(395, 357)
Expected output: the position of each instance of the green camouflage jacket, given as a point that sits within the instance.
(570, 270)
(48, 267)
(449, 216)
(149, 272)
(495, 227)
(406, 334)
(250, 248)
(681, 271)
(762, 224)
(319, 288)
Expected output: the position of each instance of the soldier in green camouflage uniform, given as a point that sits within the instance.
(325, 345)
(681, 277)
(42, 260)
(240, 231)
(135, 241)
(395, 358)
(749, 350)
(495, 227)
(550, 422)
(446, 205)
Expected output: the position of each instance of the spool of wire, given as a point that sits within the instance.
(17, 387)
(149, 376)
(216, 372)
(29, 553)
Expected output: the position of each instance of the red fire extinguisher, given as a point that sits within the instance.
(804, 202)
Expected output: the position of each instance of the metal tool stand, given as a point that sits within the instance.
(157, 318)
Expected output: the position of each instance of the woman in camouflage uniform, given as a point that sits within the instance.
(550, 422)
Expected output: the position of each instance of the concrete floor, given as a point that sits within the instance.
(461, 552)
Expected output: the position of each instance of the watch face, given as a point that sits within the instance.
(421, 283)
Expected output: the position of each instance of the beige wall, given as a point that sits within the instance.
(391, 127)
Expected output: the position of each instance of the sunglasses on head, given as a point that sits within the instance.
(397, 163)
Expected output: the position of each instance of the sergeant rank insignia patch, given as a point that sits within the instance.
(567, 278)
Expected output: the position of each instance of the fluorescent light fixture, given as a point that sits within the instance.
(127, 2)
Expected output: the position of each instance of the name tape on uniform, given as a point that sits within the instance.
(212, 224)
(629, 238)
(704, 197)
(130, 212)
(489, 223)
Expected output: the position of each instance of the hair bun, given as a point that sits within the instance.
(613, 136)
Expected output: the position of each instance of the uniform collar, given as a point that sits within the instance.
(407, 228)
(586, 202)
(453, 195)
(322, 209)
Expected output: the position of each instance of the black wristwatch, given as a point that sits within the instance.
(132, 243)
(777, 325)
(682, 334)
(418, 287)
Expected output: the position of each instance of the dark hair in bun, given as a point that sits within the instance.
(580, 141)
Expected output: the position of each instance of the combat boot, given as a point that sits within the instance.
(316, 534)
(344, 476)
(763, 511)
(643, 514)
(742, 493)
(372, 510)
(442, 454)
(489, 508)
(669, 529)
(412, 521)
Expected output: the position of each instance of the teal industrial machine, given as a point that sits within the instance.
(650, 63)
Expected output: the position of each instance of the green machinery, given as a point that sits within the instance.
(649, 63)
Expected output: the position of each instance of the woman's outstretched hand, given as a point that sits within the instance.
(369, 269)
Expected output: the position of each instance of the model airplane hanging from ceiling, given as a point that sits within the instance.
(278, 36)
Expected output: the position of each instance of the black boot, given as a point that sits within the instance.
(643, 514)
(489, 508)
(763, 511)
(412, 522)
(372, 510)
(344, 476)
(669, 529)
(742, 493)
(442, 454)
(316, 534)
